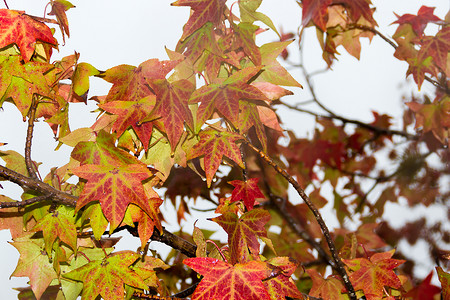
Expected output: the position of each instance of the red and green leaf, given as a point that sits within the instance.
(247, 191)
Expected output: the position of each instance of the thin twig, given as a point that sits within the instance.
(6, 4)
(31, 116)
(25, 202)
(154, 297)
(28, 183)
(395, 46)
(339, 264)
(355, 122)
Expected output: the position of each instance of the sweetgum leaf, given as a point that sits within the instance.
(18, 28)
(223, 281)
(103, 151)
(273, 72)
(249, 14)
(373, 274)
(243, 232)
(280, 285)
(424, 291)
(146, 222)
(247, 191)
(80, 78)
(130, 82)
(107, 277)
(420, 21)
(11, 218)
(244, 34)
(59, 8)
(131, 113)
(33, 257)
(204, 11)
(60, 224)
(315, 11)
(444, 278)
(172, 107)
(213, 145)
(328, 289)
(115, 187)
(225, 97)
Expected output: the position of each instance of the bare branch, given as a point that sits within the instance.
(345, 120)
(31, 116)
(25, 202)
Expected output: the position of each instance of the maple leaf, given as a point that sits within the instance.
(130, 82)
(80, 78)
(18, 28)
(280, 285)
(358, 9)
(437, 47)
(243, 232)
(373, 274)
(249, 14)
(246, 191)
(59, 8)
(424, 291)
(131, 113)
(419, 21)
(11, 218)
(172, 106)
(213, 145)
(433, 117)
(201, 40)
(273, 72)
(315, 11)
(244, 34)
(146, 223)
(60, 224)
(115, 187)
(328, 289)
(102, 151)
(204, 11)
(225, 97)
(106, 277)
(224, 281)
(444, 278)
(32, 258)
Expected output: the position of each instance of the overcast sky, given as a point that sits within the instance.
(109, 32)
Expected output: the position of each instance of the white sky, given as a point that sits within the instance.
(110, 32)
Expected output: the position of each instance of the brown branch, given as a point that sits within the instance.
(25, 202)
(339, 264)
(6, 4)
(345, 120)
(147, 296)
(31, 116)
(175, 242)
(37, 185)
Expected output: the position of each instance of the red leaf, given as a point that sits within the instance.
(213, 145)
(225, 97)
(223, 281)
(328, 289)
(19, 28)
(115, 187)
(425, 290)
(243, 232)
(204, 11)
(130, 83)
(358, 9)
(246, 191)
(59, 8)
(315, 11)
(419, 22)
(172, 106)
(131, 113)
(373, 274)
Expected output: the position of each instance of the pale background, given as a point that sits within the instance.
(110, 32)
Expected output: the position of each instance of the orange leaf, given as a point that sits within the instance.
(18, 28)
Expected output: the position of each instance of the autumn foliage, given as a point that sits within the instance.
(202, 127)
